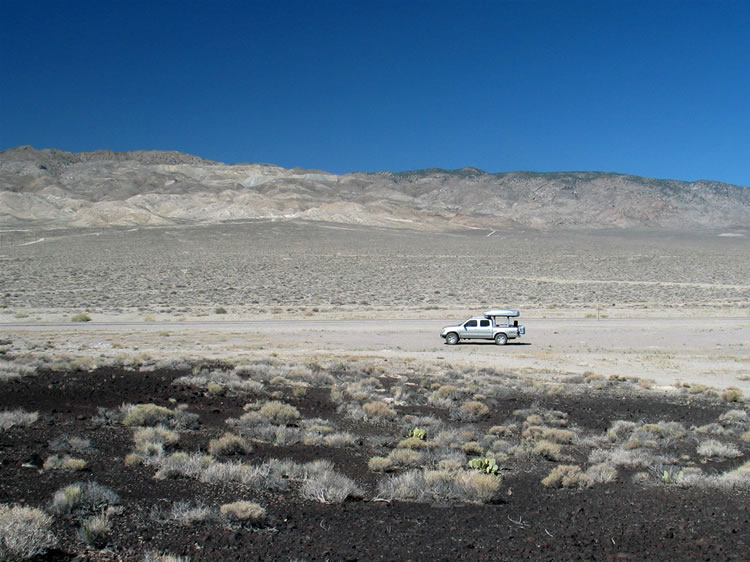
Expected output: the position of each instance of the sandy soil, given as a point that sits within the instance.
(710, 351)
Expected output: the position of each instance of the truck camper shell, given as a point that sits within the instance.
(507, 312)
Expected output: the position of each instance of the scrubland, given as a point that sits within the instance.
(618, 428)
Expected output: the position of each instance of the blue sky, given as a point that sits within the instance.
(659, 88)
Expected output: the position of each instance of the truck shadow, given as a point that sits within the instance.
(492, 343)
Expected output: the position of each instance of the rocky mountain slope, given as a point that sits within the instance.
(55, 188)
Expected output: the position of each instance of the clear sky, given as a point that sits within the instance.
(655, 88)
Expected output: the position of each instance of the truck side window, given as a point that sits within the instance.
(471, 324)
(484, 323)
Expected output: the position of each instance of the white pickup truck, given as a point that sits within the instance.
(495, 324)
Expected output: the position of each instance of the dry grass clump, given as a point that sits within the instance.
(554, 435)
(440, 486)
(471, 410)
(187, 513)
(503, 430)
(472, 448)
(145, 415)
(151, 441)
(733, 394)
(83, 496)
(379, 464)
(24, 532)
(12, 370)
(221, 382)
(717, 449)
(19, 417)
(548, 450)
(414, 443)
(180, 463)
(567, 476)
(340, 439)
(245, 511)
(379, 410)
(278, 413)
(325, 485)
(602, 473)
(397, 458)
(66, 462)
(95, 530)
(229, 444)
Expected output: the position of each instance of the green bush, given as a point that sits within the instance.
(81, 317)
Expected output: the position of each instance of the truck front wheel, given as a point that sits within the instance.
(501, 339)
(452, 338)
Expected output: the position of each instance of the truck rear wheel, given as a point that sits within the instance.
(452, 338)
(501, 339)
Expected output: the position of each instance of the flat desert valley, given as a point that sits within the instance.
(166, 375)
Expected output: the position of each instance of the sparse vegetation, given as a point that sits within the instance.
(24, 532)
(243, 511)
(18, 417)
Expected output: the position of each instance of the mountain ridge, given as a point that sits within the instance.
(151, 187)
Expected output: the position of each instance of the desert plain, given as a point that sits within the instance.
(152, 379)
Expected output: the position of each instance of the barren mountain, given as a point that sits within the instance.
(56, 188)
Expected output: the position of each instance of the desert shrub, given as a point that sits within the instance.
(548, 450)
(472, 448)
(181, 464)
(187, 513)
(739, 478)
(448, 391)
(24, 532)
(621, 457)
(340, 439)
(379, 464)
(278, 413)
(56, 462)
(243, 511)
(81, 317)
(620, 429)
(222, 382)
(413, 443)
(746, 436)
(567, 476)
(738, 418)
(256, 477)
(95, 530)
(146, 437)
(502, 430)
(145, 415)
(327, 486)
(9, 418)
(602, 473)
(229, 444)
(563, 436)
(471, 410)
(733, 394)
(399, 458)
(377, 409)
(714, 448)
(83, 496)
(220, 310)
(440, 485)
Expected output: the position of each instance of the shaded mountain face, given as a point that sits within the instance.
(56, 188)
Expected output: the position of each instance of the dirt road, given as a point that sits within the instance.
(711, 351)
